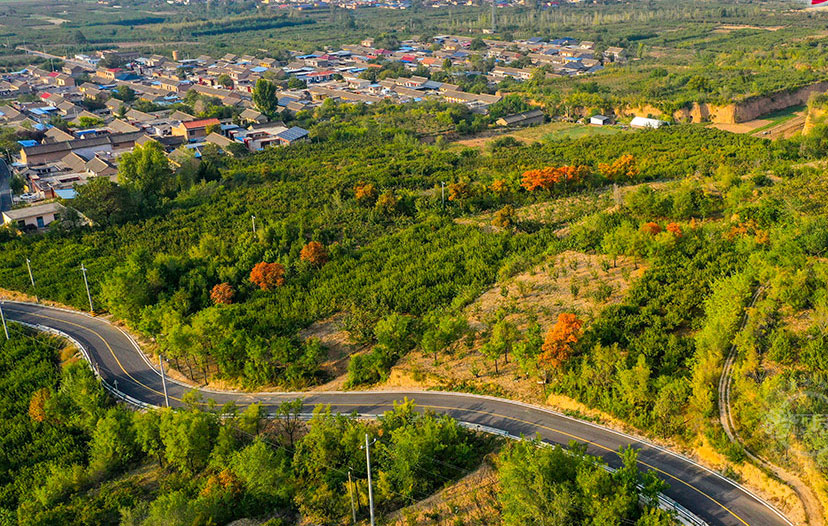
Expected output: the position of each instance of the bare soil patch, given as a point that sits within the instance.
(786, 129)
(568, 282)
(727, 28)
(330, 333)
(472, 500)
(565, 210)
(742, 127)
(573, 282)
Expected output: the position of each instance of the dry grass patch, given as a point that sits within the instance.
(340, 349)
(555, 212)
(335, 340)
(568, 282)
(769, 488)
(472, 500)
(564, 211)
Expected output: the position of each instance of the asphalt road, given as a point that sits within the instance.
(65, 60)
(5, 191)
(709, 496)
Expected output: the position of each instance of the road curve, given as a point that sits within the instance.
(709, 496)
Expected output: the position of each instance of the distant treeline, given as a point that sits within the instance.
(245, 25)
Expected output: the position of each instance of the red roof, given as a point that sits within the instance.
(201, 123)
(54, 74)
(320, 74)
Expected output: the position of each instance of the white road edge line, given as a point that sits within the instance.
(415, 392)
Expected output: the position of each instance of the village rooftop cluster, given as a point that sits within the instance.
(92, 109)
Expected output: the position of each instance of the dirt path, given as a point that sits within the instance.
(786, 129)
(813, 507)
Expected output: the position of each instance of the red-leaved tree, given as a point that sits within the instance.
(268, 276)
(651, 228)
(314, 253)
(222, 294)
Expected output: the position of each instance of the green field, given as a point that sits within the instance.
(778, 117)
(576, 131)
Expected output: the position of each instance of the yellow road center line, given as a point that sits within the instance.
(575, 437)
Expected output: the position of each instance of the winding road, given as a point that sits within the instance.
(120, 363)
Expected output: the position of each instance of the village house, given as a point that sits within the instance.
(33, 217)
(44, 153)
(197, 129)
(527, 118)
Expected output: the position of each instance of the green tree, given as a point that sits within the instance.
(553, 486)
(188, 438)
(295, 83)
(441, 332)
(251, 417)
(124, 93)
(477, 44)
(147, 426)
(146, 172)
(113, 442)
(266, 474)
(288, 421)
(225, 80)
(265, 98)
(172, 509)
(104, 202)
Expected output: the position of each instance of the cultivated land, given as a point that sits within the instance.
(286, 236)
(139, 380)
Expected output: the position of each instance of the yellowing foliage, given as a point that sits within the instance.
(622, 168)
(547, 178)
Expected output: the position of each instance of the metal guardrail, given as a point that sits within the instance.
(92, 365)
(683, 515)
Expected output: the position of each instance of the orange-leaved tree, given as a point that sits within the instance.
(222, 294)
(675, 229)
(314, 253)
(547, 178)
(624, 167)
(268, 276)
(557, 346)
(651, 228)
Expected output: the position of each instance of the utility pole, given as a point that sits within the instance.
(86, 283)
(443, 194)
(253, 218)
(163, 379)
(6, 330)
(31, 278)
(494, 25)
(350, 494)
(370, 490)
